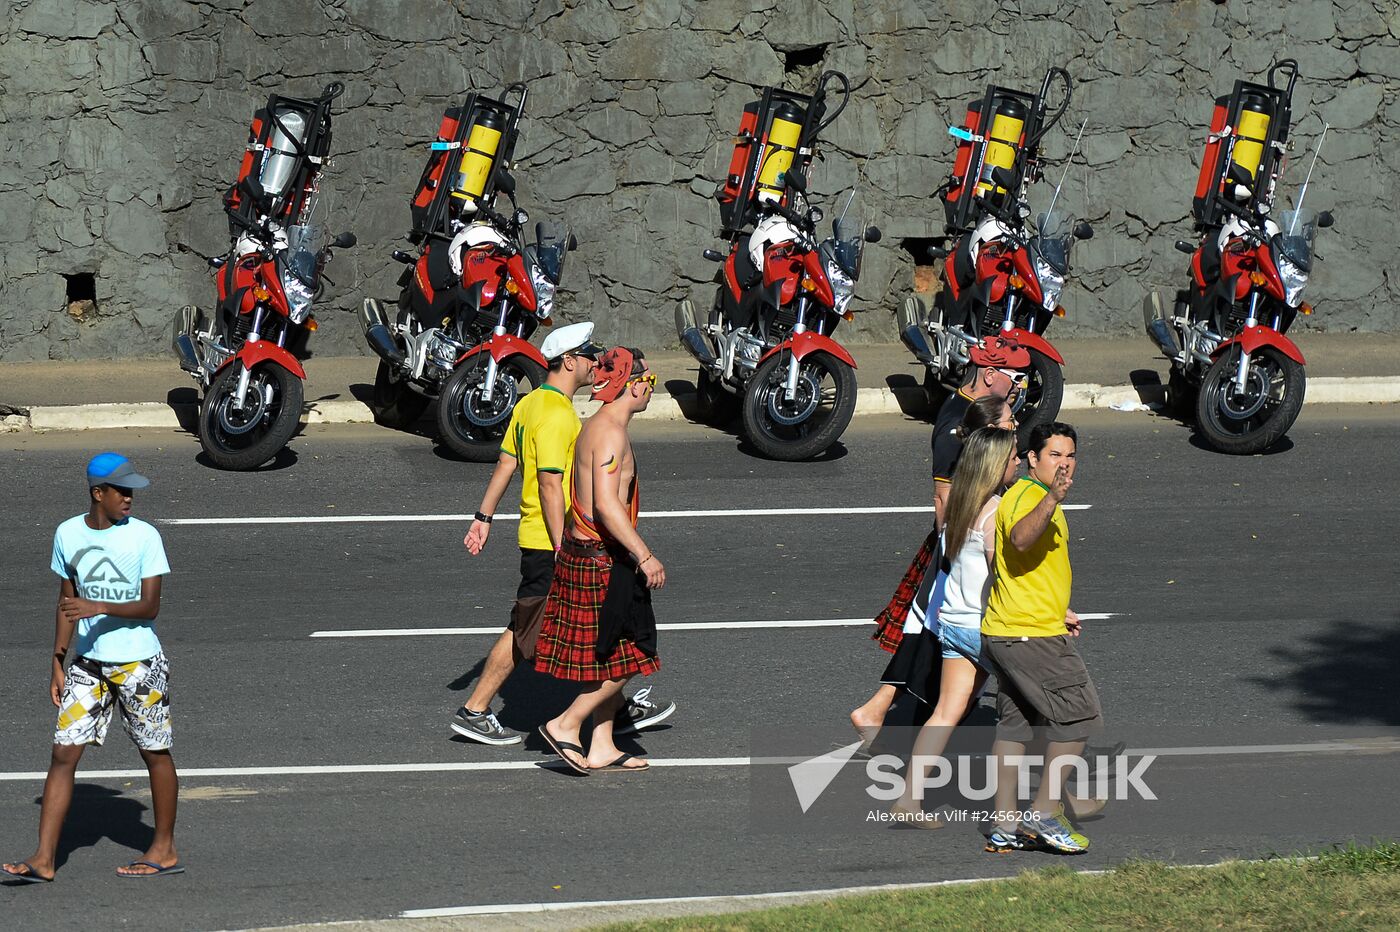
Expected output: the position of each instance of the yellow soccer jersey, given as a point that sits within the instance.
(1030, 593)
(541, 435)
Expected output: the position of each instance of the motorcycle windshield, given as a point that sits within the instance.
(1054, 238)
(551, 246)
(848, 248)
(1297, 234)
(303, 252)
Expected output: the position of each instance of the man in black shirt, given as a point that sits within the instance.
(997, 364)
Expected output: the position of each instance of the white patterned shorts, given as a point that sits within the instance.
(94, 689)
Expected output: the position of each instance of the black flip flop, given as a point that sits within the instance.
(158, 871)
(617, 766)
(31, 875)
(559, 747)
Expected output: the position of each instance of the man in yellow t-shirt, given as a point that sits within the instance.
(1027, 633)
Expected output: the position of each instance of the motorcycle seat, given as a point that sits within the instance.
(745, 271)
(964, 270)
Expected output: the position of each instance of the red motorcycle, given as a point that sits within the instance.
(1232, 363)
(767, 344)
(1002, 275)
(247, 359)
(473, 294)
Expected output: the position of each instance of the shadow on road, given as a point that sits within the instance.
(100, 812)
(1344, 674)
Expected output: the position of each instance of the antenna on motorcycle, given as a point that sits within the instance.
(1074, 149)
(850, 197)
(1303, 191)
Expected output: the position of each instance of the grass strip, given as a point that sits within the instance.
(1342, 888)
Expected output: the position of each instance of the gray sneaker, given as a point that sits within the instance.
(641, 712)
(483, 727)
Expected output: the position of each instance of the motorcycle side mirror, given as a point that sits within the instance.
(873, 234)
(573, 242)
(1325, 219)
(506, 182)
(344, 240)
(797, 181)
(1082, 230)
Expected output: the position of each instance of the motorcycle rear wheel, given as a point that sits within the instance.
(1039, 401)
(468, 425)
(826, 399)
(243, 440)
(1258, 419)
(713, 404)
(395, 404)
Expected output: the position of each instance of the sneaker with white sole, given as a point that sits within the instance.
(1054, 834)
(641, 712)
(483, 727)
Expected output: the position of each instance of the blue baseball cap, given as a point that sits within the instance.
(114, 469)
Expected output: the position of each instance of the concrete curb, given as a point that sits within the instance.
(869, 401)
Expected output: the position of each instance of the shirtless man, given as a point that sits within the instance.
(599, 629)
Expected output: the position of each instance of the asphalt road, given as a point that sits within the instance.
(1252, 594)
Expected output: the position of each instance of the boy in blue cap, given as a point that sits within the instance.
(111, 566)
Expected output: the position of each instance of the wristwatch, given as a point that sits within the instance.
(484, 519)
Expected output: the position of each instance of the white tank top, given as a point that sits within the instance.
(969, 579)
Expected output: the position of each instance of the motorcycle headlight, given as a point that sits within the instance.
(544, 292)
(843, 286)
(299, 296)
(1051, 283)
(1294, 279)
(443, 352)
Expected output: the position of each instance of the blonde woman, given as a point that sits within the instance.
(988, 465)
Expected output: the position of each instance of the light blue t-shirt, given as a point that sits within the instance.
(108, 566)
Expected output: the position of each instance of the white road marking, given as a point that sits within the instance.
(673, 626)
(1364, 745)
(466, 518)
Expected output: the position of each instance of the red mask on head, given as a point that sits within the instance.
(1000, 353)
(611, 374)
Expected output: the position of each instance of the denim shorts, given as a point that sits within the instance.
(962, 642)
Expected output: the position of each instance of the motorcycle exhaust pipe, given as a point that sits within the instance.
(691, 337)
(1158, 329)
(187, 321)
(377, 333)
(912, 332)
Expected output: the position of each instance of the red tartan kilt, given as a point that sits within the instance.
(889, 624)
(569, 632)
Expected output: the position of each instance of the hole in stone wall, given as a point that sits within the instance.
(81, 295)
(925, 266)
(799, 59)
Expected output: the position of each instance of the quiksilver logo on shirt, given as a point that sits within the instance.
(102, 579)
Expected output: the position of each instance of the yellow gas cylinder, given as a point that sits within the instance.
(1250, 137)
(1003, 142)
(478, 155)
(784, 134)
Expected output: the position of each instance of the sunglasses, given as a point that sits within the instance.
(649, 379)
(1017, 377)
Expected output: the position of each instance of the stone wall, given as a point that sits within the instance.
(124, 122)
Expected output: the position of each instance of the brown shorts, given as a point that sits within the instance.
(536, 573)
(1043, 683)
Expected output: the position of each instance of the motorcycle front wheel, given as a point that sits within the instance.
(1257, 419)
(471, 426)
(242, 438)
(395, 404)
(809, 423)
(1039, 400)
